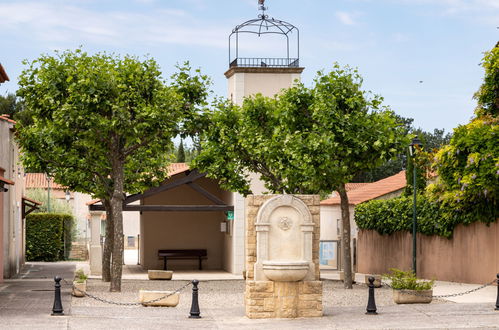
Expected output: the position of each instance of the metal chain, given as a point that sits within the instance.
(128, 304)
(442, 295)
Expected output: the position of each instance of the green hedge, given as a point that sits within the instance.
(434, 217)
(46, 235)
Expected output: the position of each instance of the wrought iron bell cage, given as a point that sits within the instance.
(263, 25)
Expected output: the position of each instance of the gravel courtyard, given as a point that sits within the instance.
(220, 294)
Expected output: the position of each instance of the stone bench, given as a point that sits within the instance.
(171, 301)
(160, 274)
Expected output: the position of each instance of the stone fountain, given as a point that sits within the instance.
(282, 249)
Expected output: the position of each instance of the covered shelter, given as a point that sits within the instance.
(188, 211)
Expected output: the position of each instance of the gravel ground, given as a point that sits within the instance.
(220, 294)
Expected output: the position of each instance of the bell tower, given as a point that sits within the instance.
(249, 75)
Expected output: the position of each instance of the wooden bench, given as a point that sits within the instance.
(199, 254)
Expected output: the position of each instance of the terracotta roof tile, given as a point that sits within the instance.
(177, 168)
(371, 190)
(7, 119)
(39, 180)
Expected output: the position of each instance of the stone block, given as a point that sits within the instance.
(308, 304)
(160, 274)
(310, 313)
(285, 289)
(269, 304)
(261, 315)
(314, 209)
(170, 301)
(311, 287)
(311, 297)
(264, 286)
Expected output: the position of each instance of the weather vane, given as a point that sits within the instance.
(262, 7)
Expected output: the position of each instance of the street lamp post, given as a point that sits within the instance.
(413, 147)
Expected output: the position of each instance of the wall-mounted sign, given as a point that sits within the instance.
(230, 215)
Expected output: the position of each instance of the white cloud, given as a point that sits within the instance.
(52, 23)
(345, 18)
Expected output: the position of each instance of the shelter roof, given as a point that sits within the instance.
(371, 191)
(173, 169)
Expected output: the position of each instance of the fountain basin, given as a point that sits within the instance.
(285, 271)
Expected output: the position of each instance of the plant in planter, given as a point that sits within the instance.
(79, 283)
(408, 289)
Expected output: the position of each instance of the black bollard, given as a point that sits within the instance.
(371, 304)
(195, 313)
(57, 309)
(497, 301)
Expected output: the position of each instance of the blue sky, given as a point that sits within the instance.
(394, 43)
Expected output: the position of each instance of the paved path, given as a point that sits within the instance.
(26, 302)
(23, 308)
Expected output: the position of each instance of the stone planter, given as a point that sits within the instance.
(410, 297)
(160, 274)
(377, 280)
(79, 288)
(171, 301)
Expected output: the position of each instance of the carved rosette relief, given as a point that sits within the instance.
(285, 223)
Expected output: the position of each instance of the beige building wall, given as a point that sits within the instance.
(185, 230)
(470, 256)
(243, 82)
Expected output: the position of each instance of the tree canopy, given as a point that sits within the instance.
(306, 140)
(103, 124)
(303, 141)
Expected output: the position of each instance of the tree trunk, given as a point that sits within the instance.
(117, 214)
(345, 237)
(108, 243)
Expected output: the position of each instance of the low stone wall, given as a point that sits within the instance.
(268, 299)
(470, 256)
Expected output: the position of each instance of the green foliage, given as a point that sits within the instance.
(402, 280)
(56, 205)
(306, 140)
(468, 170)
(434, 217)
(80, 276)
(181, 153)
(81, 111)
(488, 95)
(9, 105)
(45, 234)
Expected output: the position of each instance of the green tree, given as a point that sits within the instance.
(468, 166)
(9, 105)
(181, 152)
(304, 141)
(103, 125)
(488, 95)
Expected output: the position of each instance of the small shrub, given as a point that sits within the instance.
(80, 276)
(407, 280)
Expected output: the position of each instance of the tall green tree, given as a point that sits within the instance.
(103, 124)
(181, 152)
(9, 105)
(304, 141)
(468, 166)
